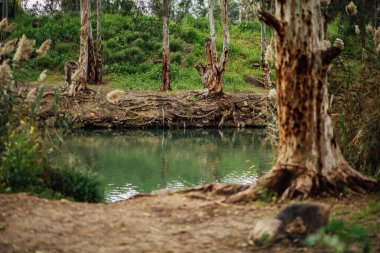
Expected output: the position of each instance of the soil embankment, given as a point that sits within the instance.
(156, 109)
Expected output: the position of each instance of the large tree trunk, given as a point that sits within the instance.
(309, 161)
(165, 47)
(99, 65)
(212, 74)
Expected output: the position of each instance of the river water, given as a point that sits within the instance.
(141, 161)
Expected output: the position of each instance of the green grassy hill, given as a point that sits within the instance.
(131, 45)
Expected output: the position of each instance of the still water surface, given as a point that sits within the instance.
(136, 161)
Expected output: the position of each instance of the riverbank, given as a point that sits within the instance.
(134, 109)
(191, 222)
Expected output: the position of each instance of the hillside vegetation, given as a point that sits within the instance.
(132, 47)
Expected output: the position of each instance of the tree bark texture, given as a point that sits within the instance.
(86, 55)
(212, 74)
(309, 161)
(264, 61)
(99, 62)
(165, 47)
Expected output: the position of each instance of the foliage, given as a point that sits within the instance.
(354, 86)
(22, 160)
(132, 43)
(26, 152)
(26, 165)
(75, 181)
(341, 238)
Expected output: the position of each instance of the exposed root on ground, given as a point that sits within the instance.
(292, 182)
(88, 108)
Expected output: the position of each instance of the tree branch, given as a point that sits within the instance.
(271, 20)
(329, 55)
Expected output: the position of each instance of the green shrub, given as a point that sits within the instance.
(176, 45)
(190, 35)
(22, 160)
(25, 165)
(176, 57)
(143, 67)
(190, 60)
(155, 73)
(75, 182)
(139, 43)
(249, 26)
(341, 238)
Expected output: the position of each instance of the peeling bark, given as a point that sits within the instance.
(165, 47)
(91, 78)
(264, 61)
(99, 62)
(86, 56)
(212, 74)
(310, 161)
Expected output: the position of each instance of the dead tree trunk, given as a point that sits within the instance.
(309, 161)
(212, 74)
(165, 47)
(99, 63)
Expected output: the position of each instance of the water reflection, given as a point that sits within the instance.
(136, 161)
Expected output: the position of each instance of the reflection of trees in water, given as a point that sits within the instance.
(200, 154)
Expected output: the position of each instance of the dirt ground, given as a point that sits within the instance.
(162, 223)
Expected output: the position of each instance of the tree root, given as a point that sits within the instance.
(293, 182)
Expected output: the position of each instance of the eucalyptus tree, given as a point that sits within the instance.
(86, 56)
(309, 161)
(98, 53)
(165, 47)
(88, 69)
(212, 74)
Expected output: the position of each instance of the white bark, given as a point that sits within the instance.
(83, 54)
(165, 47)
(99, 62)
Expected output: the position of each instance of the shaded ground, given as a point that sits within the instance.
(165, 223)
(153, 109)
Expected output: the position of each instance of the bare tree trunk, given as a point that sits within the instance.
(309, 161)
(212, 74)
(84, 48)
(264, 61)
(99, 64)
(165, 47)
(86, 56)
(91, 52)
